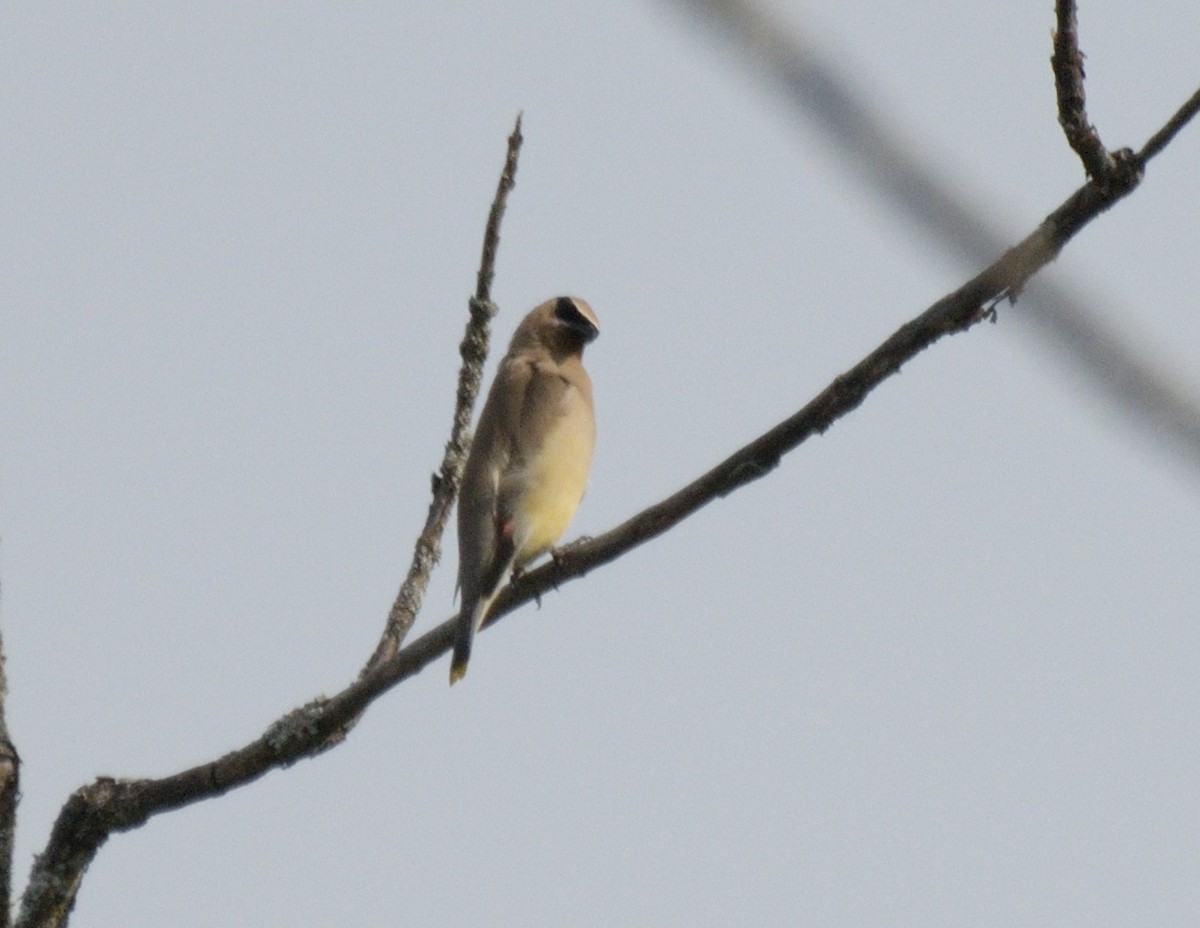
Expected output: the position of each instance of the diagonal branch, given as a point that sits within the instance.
(473, 350)
(1162, 138)
(1067, 63)
(97, 810)
(814, 85)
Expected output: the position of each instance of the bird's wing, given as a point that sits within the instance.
(484, 554)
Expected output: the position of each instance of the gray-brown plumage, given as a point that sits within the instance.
(528, 465)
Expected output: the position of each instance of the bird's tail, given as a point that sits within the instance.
(462, 654)
(469, 621)
(475, 607)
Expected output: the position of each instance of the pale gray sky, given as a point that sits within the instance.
(938, 669)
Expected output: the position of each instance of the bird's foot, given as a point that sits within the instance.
(518, 577)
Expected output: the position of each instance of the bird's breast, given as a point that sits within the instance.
(556, 478)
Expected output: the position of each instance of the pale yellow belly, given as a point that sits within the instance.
(556, 482)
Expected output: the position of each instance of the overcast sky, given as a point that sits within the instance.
(937, 669)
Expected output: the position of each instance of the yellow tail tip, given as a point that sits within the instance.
(457, 671)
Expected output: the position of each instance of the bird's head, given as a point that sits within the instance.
(562, 326)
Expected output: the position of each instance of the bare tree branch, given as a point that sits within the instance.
(1163, 136)
(10, 779)
(473, 350)
(1067, 64)
(1161, 407)
(108, 805)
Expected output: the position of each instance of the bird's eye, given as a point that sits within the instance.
(566, 311)
(578, 321)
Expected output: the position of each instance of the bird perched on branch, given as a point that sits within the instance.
(528, 464)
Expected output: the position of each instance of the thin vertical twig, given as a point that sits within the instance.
(474, 351)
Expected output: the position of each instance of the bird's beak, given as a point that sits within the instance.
(585, 330)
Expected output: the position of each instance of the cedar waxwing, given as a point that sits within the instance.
(528, 465)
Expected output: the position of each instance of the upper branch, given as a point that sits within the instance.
(1067, 62)
(820, 87)
(491, 235)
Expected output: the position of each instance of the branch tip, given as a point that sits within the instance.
(1067, 64)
